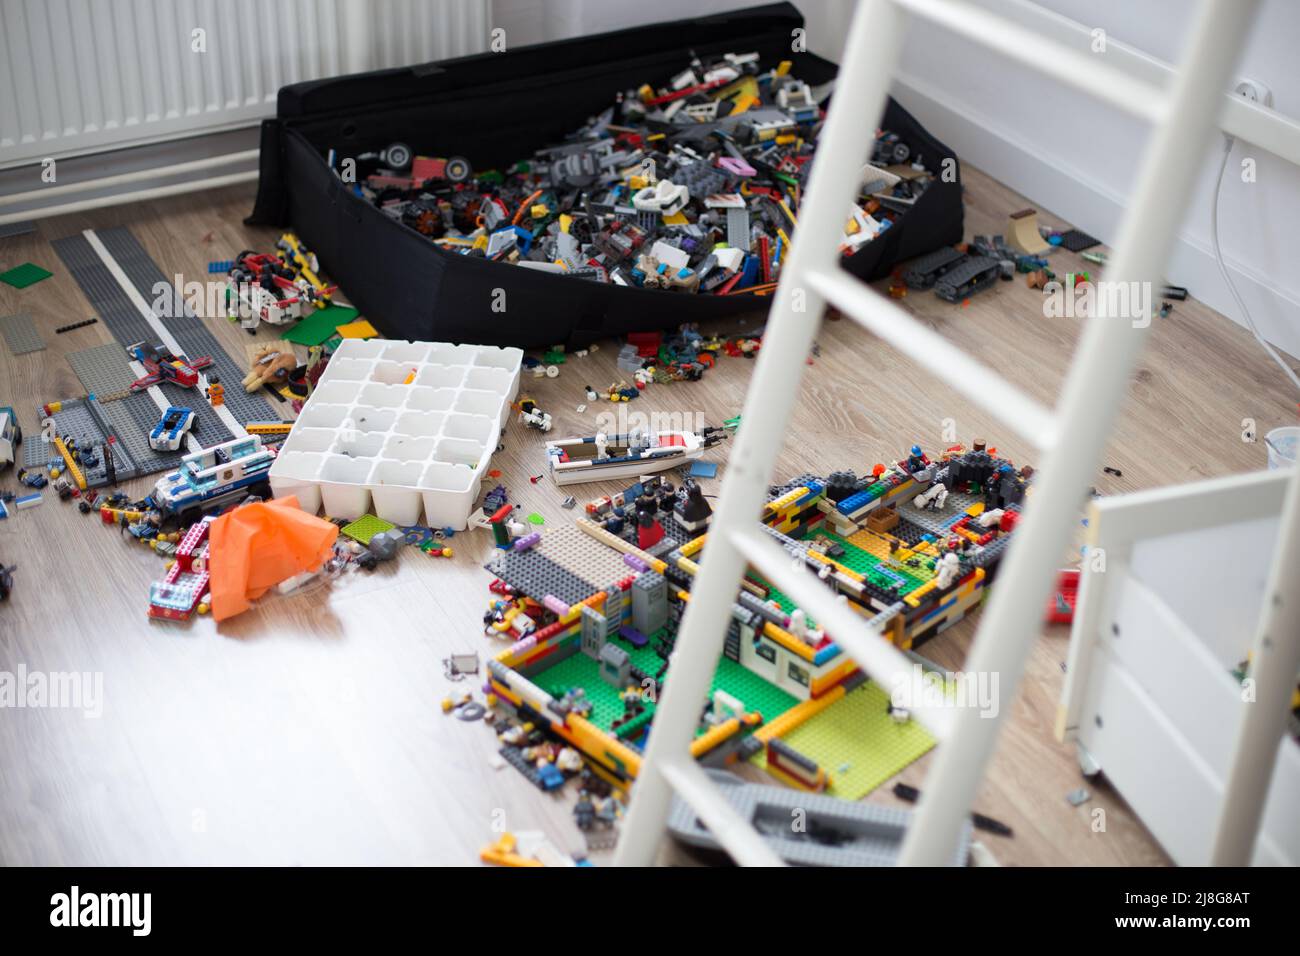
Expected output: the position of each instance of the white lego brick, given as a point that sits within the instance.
(401, 428)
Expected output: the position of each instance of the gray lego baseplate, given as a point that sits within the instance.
(37, 452)
(10, 229)
(128, 326)
(20, 334)
(103, 370)
(808, 829)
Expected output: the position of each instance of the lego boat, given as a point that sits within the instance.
(601, 457)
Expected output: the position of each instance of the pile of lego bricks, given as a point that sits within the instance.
(692, 187)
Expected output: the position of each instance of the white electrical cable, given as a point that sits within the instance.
(1229, 141)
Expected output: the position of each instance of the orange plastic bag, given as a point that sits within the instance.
(255, 547)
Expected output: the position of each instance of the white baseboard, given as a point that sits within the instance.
(1088, 205)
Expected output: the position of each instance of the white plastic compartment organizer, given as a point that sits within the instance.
(399, 428)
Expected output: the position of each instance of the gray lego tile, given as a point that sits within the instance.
(20, 334)
(103, 370)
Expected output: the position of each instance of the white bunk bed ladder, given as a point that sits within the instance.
(1071, 437)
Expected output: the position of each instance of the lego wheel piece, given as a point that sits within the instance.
(397, 156)
(458, 169)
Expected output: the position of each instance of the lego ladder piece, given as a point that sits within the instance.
(1184, 113)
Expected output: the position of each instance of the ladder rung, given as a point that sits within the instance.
(881, 661)
(739, 838)
(1089, 73)
(928, 348)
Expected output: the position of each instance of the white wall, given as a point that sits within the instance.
(1061, 148)
(1078, 157)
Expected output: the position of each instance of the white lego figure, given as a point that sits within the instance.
(798, 623)
(934, 497)
(989, 518)
(947, 569)
(602, 443)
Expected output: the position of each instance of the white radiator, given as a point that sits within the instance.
(80, 76)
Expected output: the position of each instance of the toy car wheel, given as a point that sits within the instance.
(397, 156)
(458, 169)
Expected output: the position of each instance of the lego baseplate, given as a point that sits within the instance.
(858, 742)
(103, 370)
(808, 829)
(126, 323)
(20, 334)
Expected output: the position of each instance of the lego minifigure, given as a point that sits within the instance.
(947, 569)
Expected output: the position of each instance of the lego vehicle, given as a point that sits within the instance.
(423, 171)
(171, 429)
(11, 436)
(599, 457)
(210, 479)
(262, 287)
(162, 366)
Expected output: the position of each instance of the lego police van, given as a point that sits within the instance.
(210, 479)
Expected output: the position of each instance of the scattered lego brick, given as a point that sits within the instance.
(704, 469)
(360, 329)
(75, 325)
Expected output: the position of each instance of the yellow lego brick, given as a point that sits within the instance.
(73, 469)
(797, 714)
(788, 641)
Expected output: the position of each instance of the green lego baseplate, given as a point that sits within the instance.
(20, 277)
(365, 528)
(579, 670)
(857, 742)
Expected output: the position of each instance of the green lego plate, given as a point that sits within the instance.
(857, 742)
(318, 328)
(20, 277)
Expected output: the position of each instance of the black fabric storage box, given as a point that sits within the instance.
(495, 108)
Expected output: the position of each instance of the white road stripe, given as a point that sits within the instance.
(165, 337)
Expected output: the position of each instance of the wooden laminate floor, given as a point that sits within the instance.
(307, 731)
